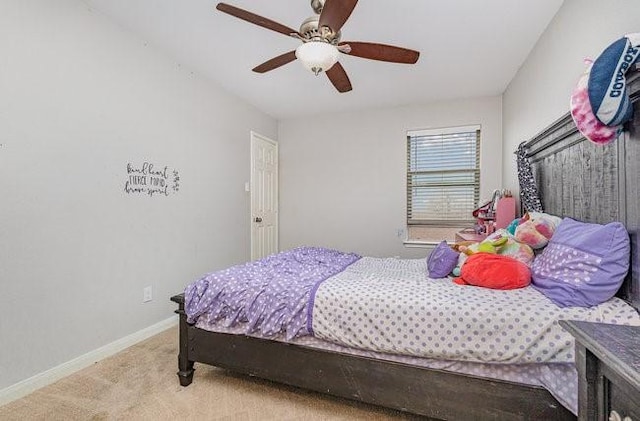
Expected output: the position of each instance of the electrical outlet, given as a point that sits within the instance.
(146, 294)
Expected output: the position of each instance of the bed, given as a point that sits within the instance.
(575, 178)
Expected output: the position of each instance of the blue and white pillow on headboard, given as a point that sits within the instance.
(607, 85)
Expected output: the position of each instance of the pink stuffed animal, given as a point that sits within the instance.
(537, 229)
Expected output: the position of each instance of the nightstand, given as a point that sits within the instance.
(608, 362)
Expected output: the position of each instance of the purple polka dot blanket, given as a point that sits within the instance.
(389, 306)
(268, 296)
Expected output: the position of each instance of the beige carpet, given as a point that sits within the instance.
(140, 383)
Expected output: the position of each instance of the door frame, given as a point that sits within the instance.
(255, 136)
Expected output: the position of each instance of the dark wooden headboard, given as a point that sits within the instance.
(593, 183)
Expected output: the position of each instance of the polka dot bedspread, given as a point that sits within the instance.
(388, 305)
(387, 308)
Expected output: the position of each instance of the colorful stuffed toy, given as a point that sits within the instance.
(441, 261)
(494, 271)
(532, 231)
(537, 229)
(500, 242)
(488, 245)
(511, 228)
(517, 250)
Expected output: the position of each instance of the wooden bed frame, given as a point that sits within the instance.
(576, 178)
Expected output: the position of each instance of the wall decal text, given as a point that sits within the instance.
(151, 179)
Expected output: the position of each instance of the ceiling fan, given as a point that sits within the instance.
(321, 44)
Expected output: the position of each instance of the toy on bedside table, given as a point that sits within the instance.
(495, 214)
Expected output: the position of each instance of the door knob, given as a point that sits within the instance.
(258, 219)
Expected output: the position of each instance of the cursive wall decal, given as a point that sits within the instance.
(151, 180)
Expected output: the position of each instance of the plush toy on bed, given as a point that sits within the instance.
(536, 229)
(523, 236)
(441, 261)
(530, 232)
(494, 271)
(447, 259)
(514, 248)
(469, 248)
(499, 262)
(488, 245)
(500, 242)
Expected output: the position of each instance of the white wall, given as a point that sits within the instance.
(79, 99)
(541, 90)
(343, 176)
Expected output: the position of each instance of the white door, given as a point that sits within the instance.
(264, 196)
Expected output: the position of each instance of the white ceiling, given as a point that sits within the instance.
(469, 48)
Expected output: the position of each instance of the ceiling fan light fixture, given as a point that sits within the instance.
(317, 56)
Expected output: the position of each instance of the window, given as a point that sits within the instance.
(443, 181)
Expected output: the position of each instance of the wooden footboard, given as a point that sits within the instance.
(433, 393)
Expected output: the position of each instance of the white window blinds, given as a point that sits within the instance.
(443, 176)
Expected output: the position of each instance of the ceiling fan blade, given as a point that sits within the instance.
(335, 13)
(382, 52)
(276, 62)
(339, 78)
(255, 19)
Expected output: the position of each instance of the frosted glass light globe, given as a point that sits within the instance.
(317, 56)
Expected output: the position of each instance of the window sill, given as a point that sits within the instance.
(419, 244)
(431, 235)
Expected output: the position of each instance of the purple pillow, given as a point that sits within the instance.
(441, 261)
(584, 264)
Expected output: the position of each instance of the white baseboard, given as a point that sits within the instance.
(54, 374)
